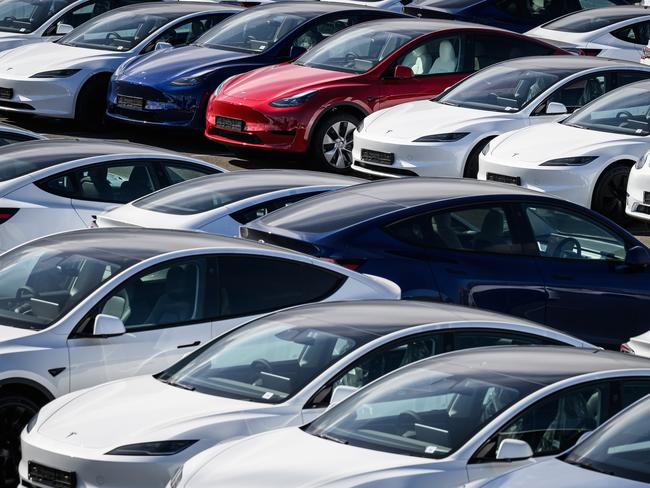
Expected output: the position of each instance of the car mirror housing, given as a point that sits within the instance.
(162, 45)
(63, 29)
(341, 392)
(514, 450)
(296, 52)
(556, 108)
(637, 256)
(108, 326)
(403, 72)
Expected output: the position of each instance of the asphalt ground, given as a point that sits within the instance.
(192, 144)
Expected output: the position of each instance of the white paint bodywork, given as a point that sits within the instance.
(637, 186)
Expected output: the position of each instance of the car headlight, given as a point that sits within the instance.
(576, 161)
(32, 422)
(176, 478)
(641, 162)
(57, 73)
(486, 149)
(293, 100)
(161, 448)
(193, 79)
(360, 126)
(218, 89)
(451, 137)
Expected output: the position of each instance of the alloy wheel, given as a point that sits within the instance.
(612, 194)
(14, 415)
(337, 144)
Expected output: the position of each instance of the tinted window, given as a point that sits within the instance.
(577, 93)
(251, 284)
(437, 56)
(186, 32)
(567, 235)
(490, 49)
(322, 31)
(590, 21)
(166, 295)
(636, 33)
(117, 183)
(11, 138)
(176, 173)
(539, 11)
(625, 77)
(84, 13)
(260, 210)
(24, 16)
(467, 339)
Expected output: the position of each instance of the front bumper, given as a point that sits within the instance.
(573, 183)
(50, 97)
(410, 158)
(638, 194)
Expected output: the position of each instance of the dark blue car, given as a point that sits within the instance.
(172, 87)
(488, 245)
(515, 15)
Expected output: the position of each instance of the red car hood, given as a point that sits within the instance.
(273, 82)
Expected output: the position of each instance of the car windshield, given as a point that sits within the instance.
(356, 50)
(116, 31)
(254, 31)
(25, 16)
(41, 282)
(624, 111)
(621, 448)
(427, 410)
(267, 360)
(202, 194)
(503, 89)
(591, 20)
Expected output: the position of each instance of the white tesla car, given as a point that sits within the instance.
(615, 455)
(69, 79)
(612, 32)
(81, 308)
(586, 158)
(439, 422)
(444, 136)
(60, 184)
(638, 189)
(280, 370)
(220, 204)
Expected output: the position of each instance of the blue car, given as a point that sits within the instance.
(515, 15)
(172, 87)
(487, 245)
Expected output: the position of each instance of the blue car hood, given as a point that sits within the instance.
(168, 64)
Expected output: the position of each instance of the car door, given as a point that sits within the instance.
(592, 293)
(437, 63)
(166, 313)
(627, 42)
(555, 423)
(478, 257)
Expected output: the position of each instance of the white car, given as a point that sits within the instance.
(220, 204)
(612, 32)
(440, 422)
(615, 455)
(69, 79)
(444, 136)
(10, 134)
(638, 189)
(639, 345)
(281, 370)
(81, 308)
(586, 158)
(60, 184)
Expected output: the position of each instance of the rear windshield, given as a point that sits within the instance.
(588, 20)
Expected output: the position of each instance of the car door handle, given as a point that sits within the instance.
(194, 344)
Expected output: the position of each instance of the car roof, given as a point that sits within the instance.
(271, 179)
(577, 63)
(426, 26)
(172, 7)
(302, 7)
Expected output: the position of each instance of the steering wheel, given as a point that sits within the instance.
(113, 35)
(24, 293)
(566, 246)
(10, 18)
(624, 116)
(350, 57)
(262, 365)
(406, 421)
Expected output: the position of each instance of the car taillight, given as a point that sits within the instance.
(6, 214)
(590, 52)
(352, 264)
(625, 348)
(645, 52)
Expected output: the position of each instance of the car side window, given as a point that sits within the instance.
(638, 33)
(479, 229)
(187, 32)
(177, 173)
(556, 423)
(467, 339)
(441, 55)
(625, 77)
(577, 93)
(115, 183)
(564, 234)
(633, 390)
(253, 284)
(171, 294)
(79, 15)
(323, 30)
(490, 49)
(256, 211)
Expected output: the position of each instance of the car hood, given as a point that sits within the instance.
(277, 81)
(292, 458)
(168, 64)
(558, 474)
(34, 58)
(9, 333)
(530, 146)
(408, 121)
(121, 413)
(11, 41)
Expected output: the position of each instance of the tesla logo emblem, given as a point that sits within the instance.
(71, 434)
(9, 69)
(515, 155)
(389, 131)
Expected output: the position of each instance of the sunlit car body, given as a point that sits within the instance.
(59, 185)
(444, 136)
(313, 105)
(220, 205)
(586, 158)
(281, 370)
(11, 134)
(172, 88)
(492, 246)
(439, 422)
(614, 455)
(68, 79)
(611, 32)
(81, 308)
(638, 189)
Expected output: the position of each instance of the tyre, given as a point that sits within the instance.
(331, 142)
(471, 166)
(610, 193)
(15, 413)
(90, 110)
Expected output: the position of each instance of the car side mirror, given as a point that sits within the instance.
(513, 450)
(341, 392)
(556, 108)
(403, 72)
(296, 51)
(63, 29)
(162, 45)
(638, 257)
(108, 326)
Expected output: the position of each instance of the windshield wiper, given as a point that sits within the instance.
(590, 467)
(177, 385)
(335, 439)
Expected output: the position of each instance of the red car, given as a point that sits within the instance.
(312, 105)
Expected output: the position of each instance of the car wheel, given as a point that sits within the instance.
(15, 413)
(610, 193)
(90, 111)
(331, 145)
(471, 166)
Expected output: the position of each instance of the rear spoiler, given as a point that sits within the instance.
(393, 291)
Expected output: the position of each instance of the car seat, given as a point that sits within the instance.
(419, 60)
(491, 235)
(447, 60)
(138, 184)
(176, 305)
(592, 90)
(95, 184)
